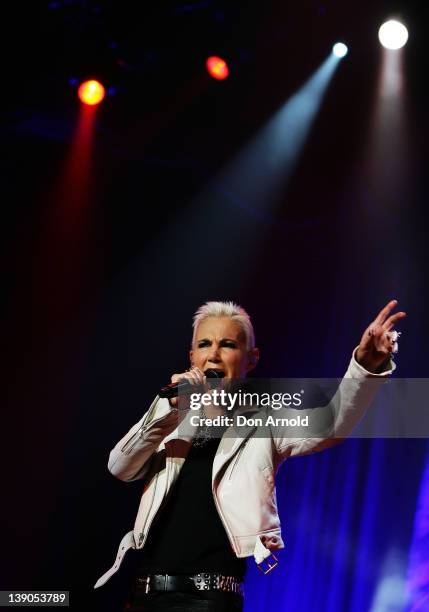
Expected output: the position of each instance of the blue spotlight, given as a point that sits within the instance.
(262, 169)
(340, 49)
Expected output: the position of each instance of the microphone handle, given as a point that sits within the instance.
(173, 389)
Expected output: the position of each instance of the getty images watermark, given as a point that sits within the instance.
(371, 407)
(231, 402)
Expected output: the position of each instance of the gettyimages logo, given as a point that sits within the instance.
(240, 398)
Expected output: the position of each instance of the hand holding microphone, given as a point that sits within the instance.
(188, 383)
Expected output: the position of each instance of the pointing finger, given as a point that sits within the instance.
(379, 320)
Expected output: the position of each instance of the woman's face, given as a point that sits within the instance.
(220, 344)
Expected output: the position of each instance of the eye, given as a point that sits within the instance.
(229, 344)
(203, 343)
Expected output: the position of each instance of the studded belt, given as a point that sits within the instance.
(190, 582)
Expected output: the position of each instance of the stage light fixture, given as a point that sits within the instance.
(340, 49)
(217, 68)
(393, 34)
(91, 92)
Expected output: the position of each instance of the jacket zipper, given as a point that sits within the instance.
(141, 534)
(142, 537)
(129, 444)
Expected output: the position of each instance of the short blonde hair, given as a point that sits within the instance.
(226, 309)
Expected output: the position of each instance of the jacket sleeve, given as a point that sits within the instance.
(130, 458)
(336, 420)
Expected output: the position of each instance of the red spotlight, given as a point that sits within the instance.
(217, 68)
(91, 92)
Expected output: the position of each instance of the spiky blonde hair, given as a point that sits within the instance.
(226, 309)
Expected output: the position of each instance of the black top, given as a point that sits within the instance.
(187, 536)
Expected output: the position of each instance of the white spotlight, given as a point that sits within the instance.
(393, 34)
(340, 50)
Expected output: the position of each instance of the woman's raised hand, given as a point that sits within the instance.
(379, 340)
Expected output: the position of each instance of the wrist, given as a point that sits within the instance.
(374, 366)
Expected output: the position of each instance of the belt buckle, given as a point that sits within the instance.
(202, 581)
(271, 565)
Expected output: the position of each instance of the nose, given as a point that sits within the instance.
(213, 355)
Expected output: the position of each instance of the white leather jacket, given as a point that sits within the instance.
(243, 472)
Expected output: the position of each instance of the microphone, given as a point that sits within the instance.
(184, 386)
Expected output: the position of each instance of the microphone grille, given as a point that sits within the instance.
(212, 373)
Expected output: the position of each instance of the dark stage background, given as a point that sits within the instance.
(119, 222)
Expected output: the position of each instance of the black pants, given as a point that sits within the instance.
(175, 601)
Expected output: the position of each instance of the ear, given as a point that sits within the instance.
(191, 357)
(253, 359)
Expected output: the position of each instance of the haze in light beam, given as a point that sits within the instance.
(389, 156)
(254, 177)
